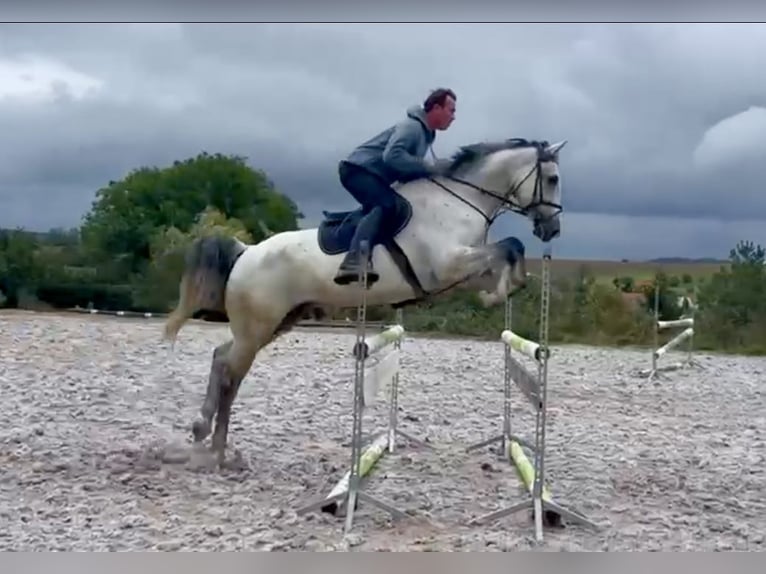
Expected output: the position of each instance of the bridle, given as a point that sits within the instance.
(506, 203)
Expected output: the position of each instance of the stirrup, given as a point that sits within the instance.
(350, 274)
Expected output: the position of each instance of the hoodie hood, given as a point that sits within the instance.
(417, 113)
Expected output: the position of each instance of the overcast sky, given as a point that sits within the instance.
(665, 122)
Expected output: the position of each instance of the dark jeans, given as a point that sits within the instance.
(378, 201)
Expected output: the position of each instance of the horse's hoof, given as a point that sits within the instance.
(218, 453)
(200, 430)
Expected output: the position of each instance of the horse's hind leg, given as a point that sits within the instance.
(218, 375)
(238, 362)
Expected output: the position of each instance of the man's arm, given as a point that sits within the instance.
(398, 156)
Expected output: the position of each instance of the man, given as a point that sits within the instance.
(394, 155)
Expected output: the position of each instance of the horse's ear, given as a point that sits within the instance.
(553, 149)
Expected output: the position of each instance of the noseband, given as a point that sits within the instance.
(505, 201)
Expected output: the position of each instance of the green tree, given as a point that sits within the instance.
(157, 288)
(126, 215)
(625, 284)
(20, 270)
(732, 307)
(668, 303)
(748, 254)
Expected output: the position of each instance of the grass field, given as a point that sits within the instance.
(606, 271)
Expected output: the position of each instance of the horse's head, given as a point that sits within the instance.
(535, 184)
(522, 176)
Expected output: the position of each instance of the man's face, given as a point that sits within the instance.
(444, 115)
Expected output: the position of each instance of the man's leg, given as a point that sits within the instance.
(376, 197)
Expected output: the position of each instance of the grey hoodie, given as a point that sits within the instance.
(396, 154)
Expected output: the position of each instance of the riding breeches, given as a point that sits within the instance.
(378, 200)
(367, 188)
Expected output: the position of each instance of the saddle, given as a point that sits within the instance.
(337, 229)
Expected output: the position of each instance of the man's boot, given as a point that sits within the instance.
(348, 272)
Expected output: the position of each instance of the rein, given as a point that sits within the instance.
(505, 200)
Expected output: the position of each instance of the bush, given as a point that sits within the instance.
(732, 312)
(106, 297)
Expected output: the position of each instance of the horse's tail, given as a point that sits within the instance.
(209, 262)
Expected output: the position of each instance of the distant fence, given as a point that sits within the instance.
(306, 323)
(87, 311)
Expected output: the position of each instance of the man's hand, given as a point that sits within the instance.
(440, 166)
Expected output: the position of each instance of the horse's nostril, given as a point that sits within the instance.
(553, 179)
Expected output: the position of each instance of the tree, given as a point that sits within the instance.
(732, 306)
(20, 270)
(126, 215)
(157, 288)
(668, 300)
(625, 284)
(748, 254)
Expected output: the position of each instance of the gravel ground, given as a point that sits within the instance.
(95, 455)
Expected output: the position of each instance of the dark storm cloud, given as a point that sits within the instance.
(393, 10)
(661, 120)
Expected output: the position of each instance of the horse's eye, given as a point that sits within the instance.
(553, 179)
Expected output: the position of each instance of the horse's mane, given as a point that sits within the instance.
(468, 155)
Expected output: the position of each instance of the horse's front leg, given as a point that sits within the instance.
(496, 271)
(512, 274)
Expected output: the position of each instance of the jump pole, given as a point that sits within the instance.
(536, 391)
(513, 371)
(367, 381)
(658, 352)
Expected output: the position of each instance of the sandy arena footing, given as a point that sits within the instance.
(95, 453)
